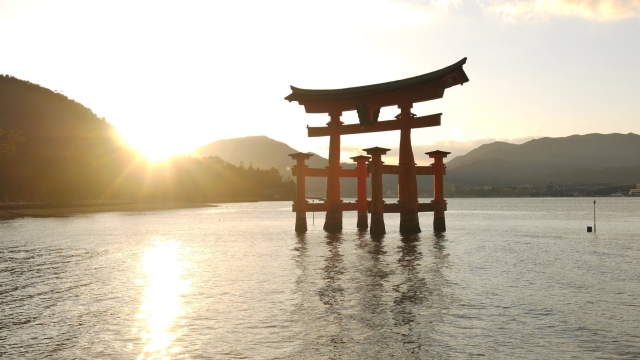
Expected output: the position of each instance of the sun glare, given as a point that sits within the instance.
(154, 148)
(161, 305)
(156, 153)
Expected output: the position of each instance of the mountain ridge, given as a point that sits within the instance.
(588, 151)
(70, 126)
(263, 152)
(576, 158)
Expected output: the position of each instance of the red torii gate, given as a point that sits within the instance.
(367, 101)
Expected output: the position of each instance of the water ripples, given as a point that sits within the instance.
(522, 282)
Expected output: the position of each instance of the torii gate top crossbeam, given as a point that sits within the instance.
(370, 98)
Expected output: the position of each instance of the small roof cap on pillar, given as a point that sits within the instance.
(376, 150)
(301, 155)
(438, 153)
(360, 157)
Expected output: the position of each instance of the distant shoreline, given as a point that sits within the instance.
(13, 211)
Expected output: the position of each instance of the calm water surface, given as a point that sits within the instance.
(512, 278)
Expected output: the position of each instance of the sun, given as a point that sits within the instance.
(156, 153)
(153, 148)
(156, 146)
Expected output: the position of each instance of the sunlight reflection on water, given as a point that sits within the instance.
(163, 266)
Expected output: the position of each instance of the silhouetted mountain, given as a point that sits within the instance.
(578, 158)
(257, 151)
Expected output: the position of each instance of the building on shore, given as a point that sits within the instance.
(550, 187)
(636, 191)
(506, 192)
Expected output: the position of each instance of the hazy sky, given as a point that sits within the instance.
(174, 75)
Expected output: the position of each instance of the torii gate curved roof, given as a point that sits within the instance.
(419, 88)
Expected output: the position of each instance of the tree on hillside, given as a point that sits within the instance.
(8, 143)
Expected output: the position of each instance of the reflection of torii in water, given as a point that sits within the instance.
(394, 296)
(367, 101)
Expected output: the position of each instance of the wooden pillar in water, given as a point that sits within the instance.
(301, 201)
(407, 182)
(361, 168)
(439, 224)
(333, 218)
(377, 204)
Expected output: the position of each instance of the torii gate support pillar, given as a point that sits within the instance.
(361, 168)
(439, 224)
(377, 204)
(301, 201)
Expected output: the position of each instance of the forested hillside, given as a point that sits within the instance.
(54, 149)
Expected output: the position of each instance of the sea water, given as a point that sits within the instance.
(511, 278)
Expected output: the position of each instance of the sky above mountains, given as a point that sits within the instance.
(175, 75)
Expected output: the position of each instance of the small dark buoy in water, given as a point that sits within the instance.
(589, 228)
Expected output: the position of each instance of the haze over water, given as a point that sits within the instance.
(511, 278)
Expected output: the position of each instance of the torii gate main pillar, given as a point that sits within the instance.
(407, 183)
(333, 217)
